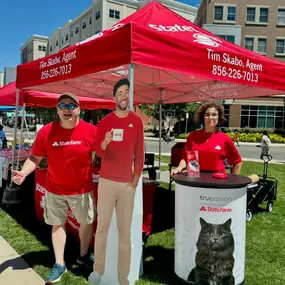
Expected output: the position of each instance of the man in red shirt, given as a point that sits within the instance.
(120, 143)
(68, 145)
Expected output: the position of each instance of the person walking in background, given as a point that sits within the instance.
(265, 143)
(3, 140)
(120, 143)
(68, 144)
(236, 137)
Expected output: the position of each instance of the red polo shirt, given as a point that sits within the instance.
(213, 150)
(69, 155)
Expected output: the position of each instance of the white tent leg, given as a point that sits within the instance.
(15, 130)
(159, 143)
(131, 79)
(21, 133)
(161, 96)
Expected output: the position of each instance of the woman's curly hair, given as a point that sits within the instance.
(200, 112)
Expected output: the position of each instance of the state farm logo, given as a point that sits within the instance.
(61, 143)
(40, 188)
(205, 40)
(215, 209)
(216, 199)
(199, 36)
(120, 71)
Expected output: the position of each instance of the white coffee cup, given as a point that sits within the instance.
(118, 135)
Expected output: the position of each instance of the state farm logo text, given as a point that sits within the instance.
(40, 188)
(216, 199)
(215, 209)
(61, 143)
(199, 36)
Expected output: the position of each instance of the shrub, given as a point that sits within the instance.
(249, 137)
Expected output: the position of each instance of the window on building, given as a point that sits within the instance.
(83, 25)
(66, 37)
(219, 13)
(114, 14)
(281, 16)
(62, 40)
(231, 16)
(261, 46)
(97, 15)
(50, 48)
(250, 16)
(71, 33)
(76, 30)
(263, 15)
(56, 43)
(90, 20)
(228, 38)
(262, 117)
(42, 48)
(280, 46)
(227, 115)
(249, 43)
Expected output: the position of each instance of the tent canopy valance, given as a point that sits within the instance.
(47, 99)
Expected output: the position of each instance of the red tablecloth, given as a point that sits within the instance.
(72, 225)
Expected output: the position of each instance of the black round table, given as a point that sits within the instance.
(210, 226)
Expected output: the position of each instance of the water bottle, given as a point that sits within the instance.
(1, 144)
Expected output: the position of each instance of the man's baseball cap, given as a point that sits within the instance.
(70, 96)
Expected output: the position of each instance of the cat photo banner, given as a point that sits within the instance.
(210, 227)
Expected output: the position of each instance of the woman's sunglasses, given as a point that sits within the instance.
(70, 106)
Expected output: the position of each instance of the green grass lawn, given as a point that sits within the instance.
(265, 250)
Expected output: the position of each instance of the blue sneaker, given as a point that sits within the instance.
(55, 274)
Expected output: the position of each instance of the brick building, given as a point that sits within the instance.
(258, 25)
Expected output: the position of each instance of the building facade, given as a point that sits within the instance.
(35, 47)
(9, 75)
(257, 25)
(102, 15)
(1, 79)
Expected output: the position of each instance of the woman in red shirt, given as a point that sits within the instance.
(213, 145)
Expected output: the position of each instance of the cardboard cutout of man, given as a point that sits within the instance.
(120, 143)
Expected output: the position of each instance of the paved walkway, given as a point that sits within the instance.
(14, 270)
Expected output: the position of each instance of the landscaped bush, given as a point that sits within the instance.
(249, 137)
(256, 137)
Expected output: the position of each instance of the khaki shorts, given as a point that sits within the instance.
(56, 208)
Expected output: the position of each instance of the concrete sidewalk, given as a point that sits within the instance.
(256, 144)
(13, 268)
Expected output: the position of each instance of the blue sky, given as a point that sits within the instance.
(19, 19)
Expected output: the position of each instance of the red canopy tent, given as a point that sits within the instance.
(168, 53)
(167, 58)
(46, 100)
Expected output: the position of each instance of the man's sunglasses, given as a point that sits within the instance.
(70, 106)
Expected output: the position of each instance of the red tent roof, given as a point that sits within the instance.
(45, 99)
(169, 53)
